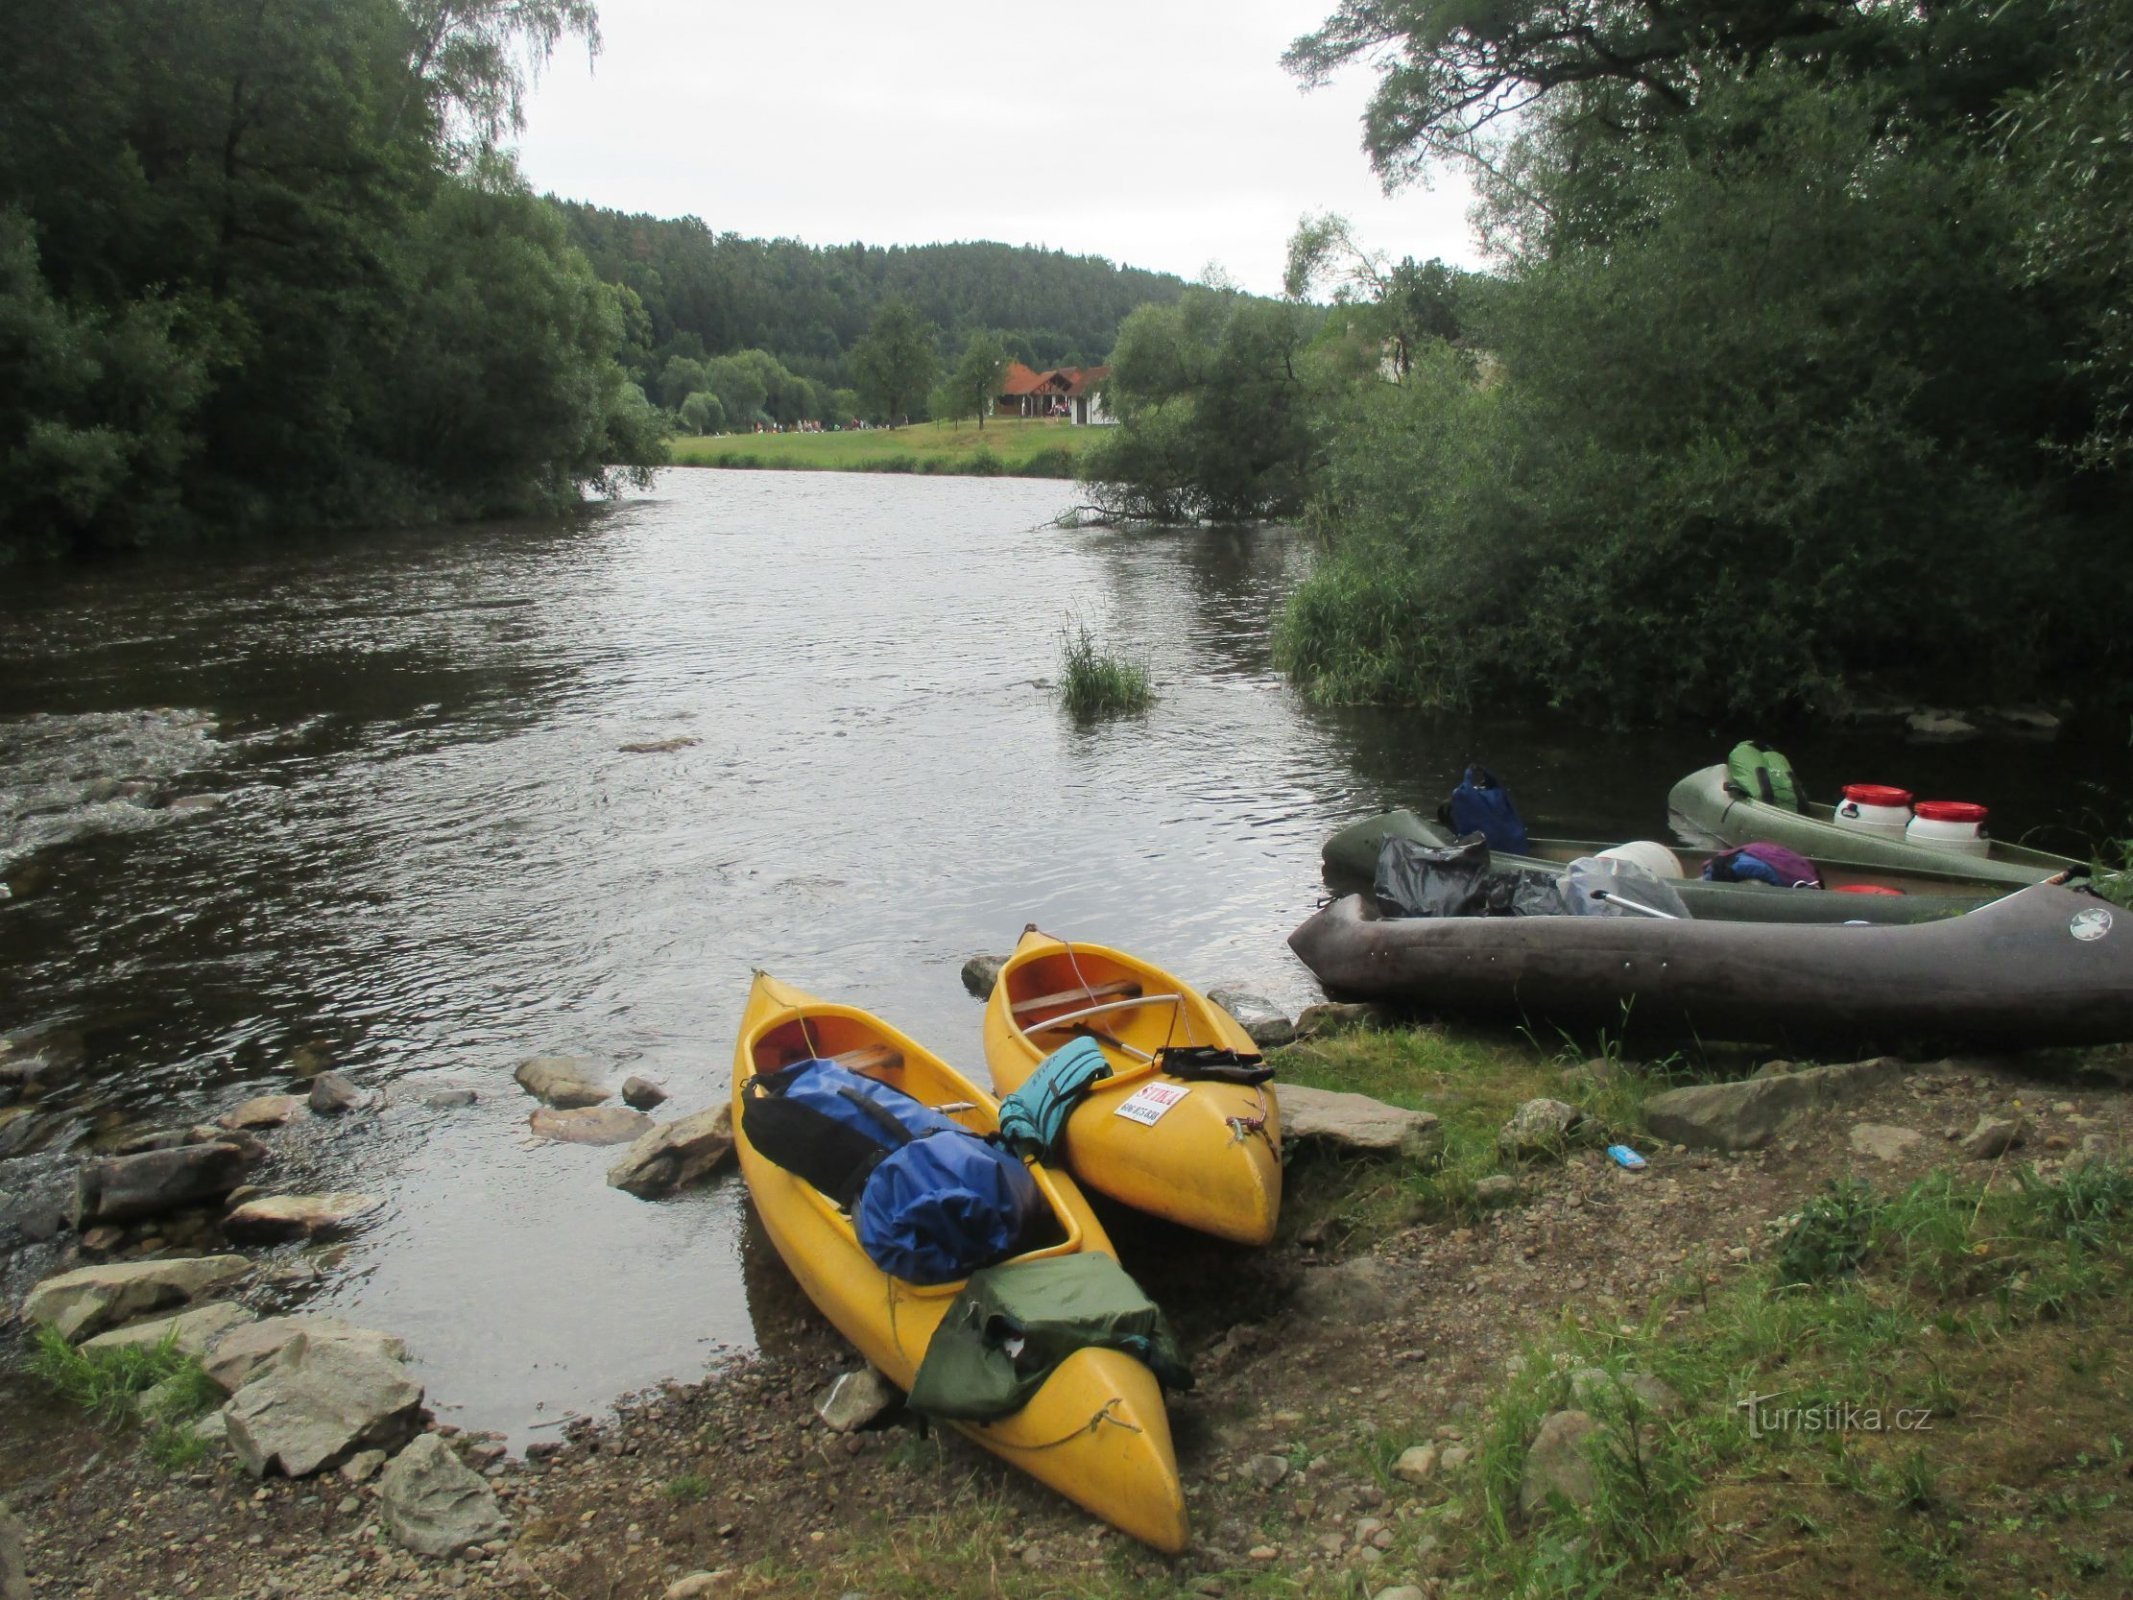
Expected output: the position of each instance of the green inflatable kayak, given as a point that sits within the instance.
(1351, 860)
(1703, 804)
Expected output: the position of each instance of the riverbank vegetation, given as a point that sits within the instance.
(1800, 367)
(268, 267)
(1096, 681)
(1005, 447)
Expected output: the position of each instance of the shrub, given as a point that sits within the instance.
(1095, 681)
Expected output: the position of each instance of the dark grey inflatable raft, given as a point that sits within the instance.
(2042, 966)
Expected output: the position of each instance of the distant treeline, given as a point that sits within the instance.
(264, 266)
(701, 295)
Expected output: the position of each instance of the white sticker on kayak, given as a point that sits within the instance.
(1148, 1103)
(2089, 925)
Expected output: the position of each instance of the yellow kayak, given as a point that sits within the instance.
(1202, 1153)
(1097, 1431)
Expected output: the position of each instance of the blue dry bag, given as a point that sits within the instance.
(1482, 805)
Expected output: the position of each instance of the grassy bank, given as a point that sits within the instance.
(1004, 447)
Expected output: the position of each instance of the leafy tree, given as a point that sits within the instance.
(680, 378)
(702, 413)
(978, 374)
(896, 361)
(1213, 410)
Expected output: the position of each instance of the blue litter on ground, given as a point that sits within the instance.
(1625, 1157)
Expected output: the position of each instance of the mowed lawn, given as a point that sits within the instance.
(1005, 446)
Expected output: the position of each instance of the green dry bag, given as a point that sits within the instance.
(1754, 773)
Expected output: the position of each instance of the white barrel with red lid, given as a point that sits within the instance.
(1875, 808)
(1949, 825)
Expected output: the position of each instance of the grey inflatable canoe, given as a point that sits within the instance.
(2044, 965)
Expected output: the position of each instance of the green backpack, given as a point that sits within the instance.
(1758, 774)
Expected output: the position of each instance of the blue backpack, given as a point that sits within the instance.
(931, 1201)
(1482, 805)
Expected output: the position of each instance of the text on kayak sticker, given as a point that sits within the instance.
(2093, 923)
(1148, 1103)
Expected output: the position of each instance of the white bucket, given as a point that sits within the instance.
(1874, 808)
(1649, 854)
(1965, 836)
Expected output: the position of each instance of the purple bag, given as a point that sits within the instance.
(1763, 862)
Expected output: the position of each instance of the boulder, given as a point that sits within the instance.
(318, 1404)
(642, 1094)
(1884, 1141)
(433, 1505)
(561, 1081)
(1558, 1469)
(1993, 1137)
(1539, 1130)
(675, 1155)
(264, 1111)
(298, 1216)
(245, 1352)
(121, 1188)
(191, 1332)
(855, 1399)
(331, 1094)
(980, 973)
(1356, 1122)
(1267, 1023)
(90, 1299)
(14, 1560)
(1594, 1387)
(1496, 1190)
(1333, 1016)
(590, 1125)
(1749, 1114)
(1417, 1463)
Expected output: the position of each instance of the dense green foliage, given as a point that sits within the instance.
(968, 391)
(1211, 397)
(706, 294)
(1098, 682)
(261, 266)
(1806, 368)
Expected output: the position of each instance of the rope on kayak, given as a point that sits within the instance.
(1242, 1128)
(1102, 1416)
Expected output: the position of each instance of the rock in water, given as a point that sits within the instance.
(855, 1399)
(980, 973)
(191, 1333)
(642, 1093)
(264, 1111)
(1557, 1467)
(1266, 1022)
(125, 1187)
(89, 1299)
(560, 1081)
(1539, 1130)
(433, 1505)
(332, 1094)
(1356, 1122)
(676, 1155)
(298, 1216)
(316, 1405)
(246, 1352)
(590, 1125)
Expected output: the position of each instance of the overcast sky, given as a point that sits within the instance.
(1159, 133)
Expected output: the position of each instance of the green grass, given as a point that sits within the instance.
(1922, 1302)
(1096, 682)
(1004, 447)
(687, 1488)
(156, 1386)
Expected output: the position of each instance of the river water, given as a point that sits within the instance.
(430, 852)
